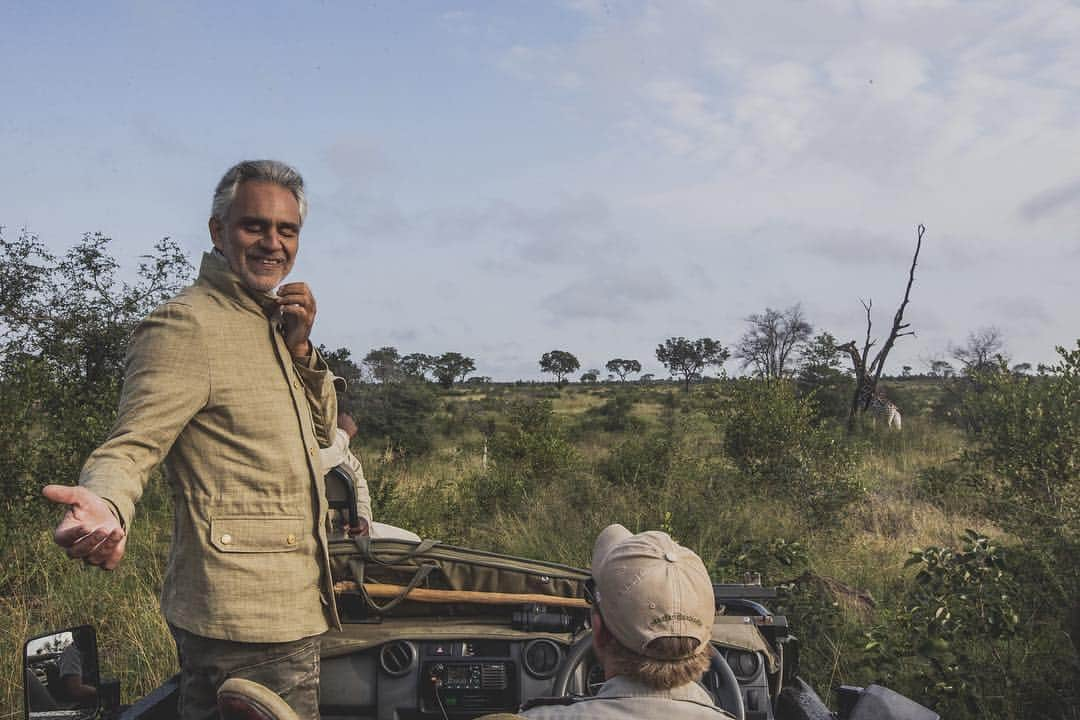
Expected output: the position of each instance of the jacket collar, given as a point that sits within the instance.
(214, 271)
(621, 686)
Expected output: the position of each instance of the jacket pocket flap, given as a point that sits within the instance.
(256, 533)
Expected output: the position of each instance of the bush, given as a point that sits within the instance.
(533, 441)
(1022, 470)
(641, 461)
(400, 414)
(614, 415)
(830, 390)
(1027, 431)
(65, 325)
(954, 486)
(773, 559)
(772, 440)
(529, 450)
(960, 602)
(768, 429)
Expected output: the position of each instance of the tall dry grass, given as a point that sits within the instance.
(42, 590)
(699, 498)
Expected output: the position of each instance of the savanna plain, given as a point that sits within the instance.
(939, 560)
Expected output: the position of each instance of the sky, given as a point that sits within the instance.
(507, 178)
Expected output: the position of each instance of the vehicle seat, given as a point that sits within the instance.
(240, 699)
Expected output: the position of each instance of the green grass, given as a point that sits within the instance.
(733, 522)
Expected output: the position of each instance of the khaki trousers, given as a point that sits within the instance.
(291, 669)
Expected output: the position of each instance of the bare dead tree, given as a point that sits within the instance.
(867, 375)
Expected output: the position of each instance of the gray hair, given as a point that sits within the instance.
(272, 171)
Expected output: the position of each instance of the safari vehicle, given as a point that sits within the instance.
(434, 631)
(432, 647)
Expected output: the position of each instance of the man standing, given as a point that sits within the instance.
(224, 385)
(652, 616)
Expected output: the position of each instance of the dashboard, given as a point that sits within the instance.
(404, 679)
(417, 679)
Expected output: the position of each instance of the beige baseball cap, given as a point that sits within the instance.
(648, 586)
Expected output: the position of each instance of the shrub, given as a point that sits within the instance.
(399, 414)
(64, 327)
(772, 440)
(641, 461)
(768, 429)
(614, 415)
(530, 449)
(773, 559)
(960, 601)
(1027, 431)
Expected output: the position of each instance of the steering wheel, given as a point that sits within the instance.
(728, 695)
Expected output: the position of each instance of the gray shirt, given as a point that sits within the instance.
(71, 662)
(621, 698)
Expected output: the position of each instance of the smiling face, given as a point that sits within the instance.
(261, 234)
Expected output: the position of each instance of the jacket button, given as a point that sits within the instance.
(296, 384)
(226, 539)
(291, 539)
(311, 452)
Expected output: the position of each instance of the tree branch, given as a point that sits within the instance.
(898, 319)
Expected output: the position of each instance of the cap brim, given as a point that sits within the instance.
(608, 538)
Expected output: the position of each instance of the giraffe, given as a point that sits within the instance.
(868, 396)
(880, 406)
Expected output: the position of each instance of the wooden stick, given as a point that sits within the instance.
(428, 595)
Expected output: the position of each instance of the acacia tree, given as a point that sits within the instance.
(689, 357)
(622, 367)
(981, 350)
(341, 364)
(590, 376)
(940, 368)
(417, 365)
(384, 364)
(867, 373)
(559, 363)
(771, 339)
(450, 367)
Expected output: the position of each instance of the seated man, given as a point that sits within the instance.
(339, 455)
(72, 689)
(652, 617)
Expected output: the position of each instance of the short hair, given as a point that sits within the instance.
(672, 661)
(273, 171)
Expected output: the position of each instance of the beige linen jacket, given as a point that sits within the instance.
(212, 390)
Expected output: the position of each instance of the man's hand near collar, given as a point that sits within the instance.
(297, 306)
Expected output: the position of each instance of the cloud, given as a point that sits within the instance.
(575, 230)
(854, 246)
(614, 293)
(1022, 309)
(1063, 197)
(364, 199)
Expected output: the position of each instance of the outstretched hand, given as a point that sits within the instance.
(88, 530)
